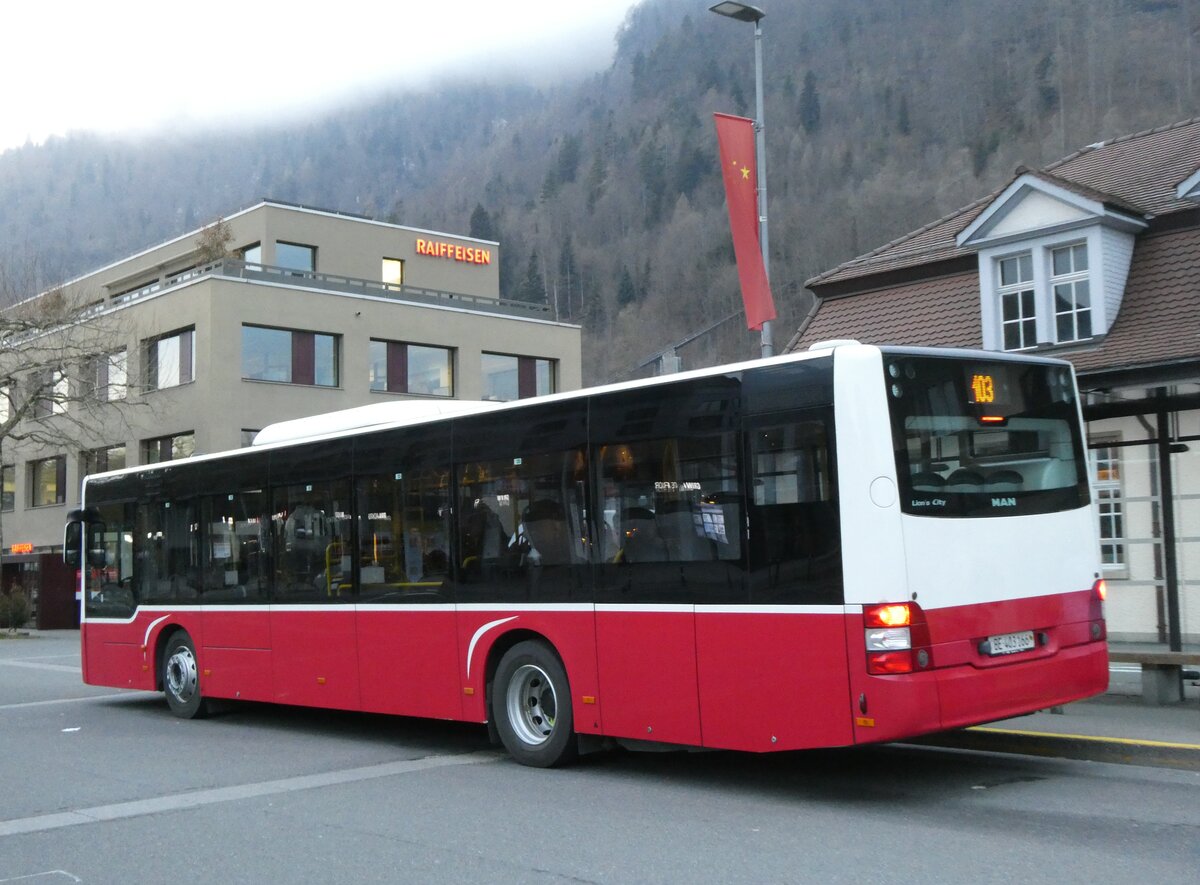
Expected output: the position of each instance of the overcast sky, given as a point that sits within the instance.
(129, 66)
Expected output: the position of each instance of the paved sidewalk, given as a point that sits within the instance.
(1114, 727)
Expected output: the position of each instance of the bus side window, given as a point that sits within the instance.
(795, 540)
(236, 545)
(403, 536)
(166, 552)
(311, 526)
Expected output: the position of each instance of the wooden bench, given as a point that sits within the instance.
(1162, 672)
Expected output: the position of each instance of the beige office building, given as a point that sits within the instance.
(307, 311)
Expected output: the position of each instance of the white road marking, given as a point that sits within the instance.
(42, 822)
(93, 697)
(61, 668)
(55, 873)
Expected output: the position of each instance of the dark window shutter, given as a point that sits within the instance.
(304, 358)
(397, 367)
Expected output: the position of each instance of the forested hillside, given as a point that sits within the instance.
(882, 115)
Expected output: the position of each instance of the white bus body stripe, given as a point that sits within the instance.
(479, 634)
(153, 624)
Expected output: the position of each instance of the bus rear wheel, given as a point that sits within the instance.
(531, 703)
(181, 678)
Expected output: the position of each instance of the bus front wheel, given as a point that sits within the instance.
(181, 678)
(531, 703)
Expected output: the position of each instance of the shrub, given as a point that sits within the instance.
(15, 609)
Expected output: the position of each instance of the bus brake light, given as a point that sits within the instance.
(891, 615)
(1100, 588)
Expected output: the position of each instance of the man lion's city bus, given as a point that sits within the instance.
(850, 545)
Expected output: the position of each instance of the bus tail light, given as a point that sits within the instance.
(896, 638)
(1100, 588)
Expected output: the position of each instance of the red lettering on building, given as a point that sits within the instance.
(454, 251)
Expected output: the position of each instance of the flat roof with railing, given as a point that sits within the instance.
(233, 268)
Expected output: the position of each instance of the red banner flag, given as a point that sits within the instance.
(735, 135)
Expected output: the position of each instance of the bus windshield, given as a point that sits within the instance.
(984, 437)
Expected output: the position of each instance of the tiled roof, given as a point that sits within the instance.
(938, 312)
(1159, 319)
(1134, 173)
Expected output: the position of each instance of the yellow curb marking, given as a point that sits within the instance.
(1088, 737)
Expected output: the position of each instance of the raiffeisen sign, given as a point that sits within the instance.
(454, 252)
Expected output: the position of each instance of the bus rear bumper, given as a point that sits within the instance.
(969, 696)
(899, 707)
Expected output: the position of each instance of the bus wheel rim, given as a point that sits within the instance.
(532, 705)
(182, 675)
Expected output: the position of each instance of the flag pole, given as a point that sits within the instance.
(760, 144)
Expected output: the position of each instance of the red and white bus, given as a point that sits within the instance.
(851, 545)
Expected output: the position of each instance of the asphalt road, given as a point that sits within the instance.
(100, 786)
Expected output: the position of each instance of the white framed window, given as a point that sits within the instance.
(171, 360)
(1071, 287)
(108, 374)
(1018, 301)
(1110, 508)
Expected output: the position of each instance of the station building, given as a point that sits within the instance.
(1093, 259)
(275, 312)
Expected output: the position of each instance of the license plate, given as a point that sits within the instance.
(1010, 643)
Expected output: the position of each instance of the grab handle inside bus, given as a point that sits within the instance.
(84, 531)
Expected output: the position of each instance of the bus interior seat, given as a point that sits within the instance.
(928, 480)
(1005, 481)
(642, 541)
(546, 528)
(964, 480)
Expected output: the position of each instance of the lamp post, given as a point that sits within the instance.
(743, 12)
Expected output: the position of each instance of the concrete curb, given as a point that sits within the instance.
(1122, 751)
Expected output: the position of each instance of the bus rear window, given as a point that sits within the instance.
(984, 438)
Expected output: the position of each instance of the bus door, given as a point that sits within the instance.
(313, 630)
(668, 514)
(773, 670)
(235, 579)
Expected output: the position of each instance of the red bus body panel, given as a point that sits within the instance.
(408, 661)
(648, 679)
(771, 681)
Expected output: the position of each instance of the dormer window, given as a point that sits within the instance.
(1053, 261)
(1072, 293)
(1017, 302)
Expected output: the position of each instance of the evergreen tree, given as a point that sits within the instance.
(626, 290)
(533, 287)
(810, 105)
(482, 225)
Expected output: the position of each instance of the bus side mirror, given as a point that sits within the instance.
(84, 531)
(73, 543)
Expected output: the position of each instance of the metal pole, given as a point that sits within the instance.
(760, 146)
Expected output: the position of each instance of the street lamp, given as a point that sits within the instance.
(744, 12)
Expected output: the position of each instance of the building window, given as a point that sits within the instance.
(8, 477)
(51, 387)
(171, 360)
(516, 377)
(1072, 296)
(108, 376)
(252, 254)
(296, 256)
(168, 448)
(1017, 313)
(1106, 478)
(411, 368)
(290, 357)
(101, 460)
(393, 272)
(47, 481)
